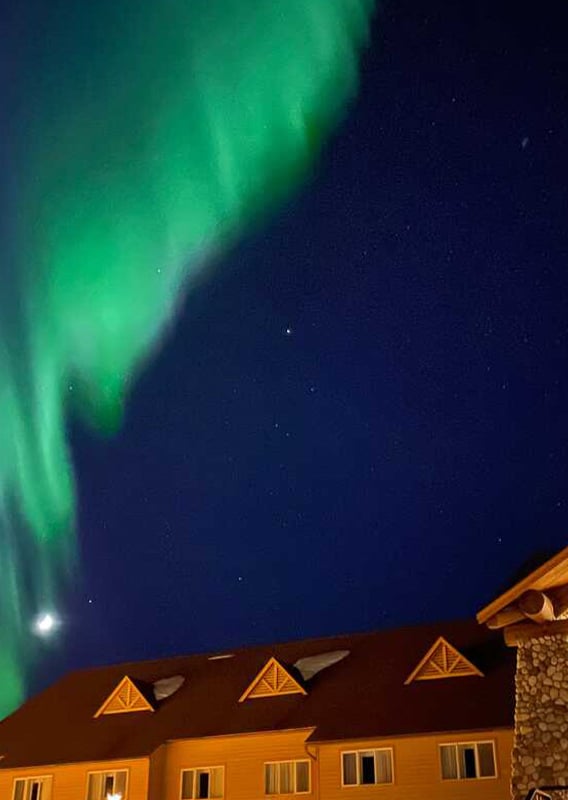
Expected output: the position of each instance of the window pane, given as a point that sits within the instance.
(302, 776)
(108, 785)
(202, 784)
(286, 778)
(120, 782)
(35, 790)
(367, 767)
(95, 788)
(449, 761)
(486, 759)
(216, 782)
(349, 769)
(270, 778)
(466, 761)
(19, 788)
(187, 784)
(384, 766)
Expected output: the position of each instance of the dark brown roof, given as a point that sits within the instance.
(361, 696)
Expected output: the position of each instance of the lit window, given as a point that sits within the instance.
(102, 785)
(200, 784)
(287, 777)
(365, 767)
(467, 760)
(32, 788)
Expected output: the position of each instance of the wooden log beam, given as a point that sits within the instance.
(534, 605)
(537, 606)
(550, 575)
(524, 632)
(507, 616)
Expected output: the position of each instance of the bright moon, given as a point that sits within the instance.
(45, 624)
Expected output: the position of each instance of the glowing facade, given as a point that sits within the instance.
(326, 718)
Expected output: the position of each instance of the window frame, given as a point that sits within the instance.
(126, 770)
(44, 779)
(195, 770)
(356, 753)
(289, 761)
(473, 743)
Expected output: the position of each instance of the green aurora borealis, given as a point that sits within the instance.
(148, 136)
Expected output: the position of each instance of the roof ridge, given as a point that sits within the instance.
(266, 646)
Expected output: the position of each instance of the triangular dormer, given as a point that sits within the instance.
(272, 680)
(124, 699)
(443, 661)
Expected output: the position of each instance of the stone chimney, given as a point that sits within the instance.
(533, 615)
(540, 752)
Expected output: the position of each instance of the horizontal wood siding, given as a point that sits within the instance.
(416, 766)
(243, 758)
(415, 760)
(69, 781)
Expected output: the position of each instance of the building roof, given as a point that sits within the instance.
(363, 695)
(550, 575)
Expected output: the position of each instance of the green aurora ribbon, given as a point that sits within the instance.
(147, 136)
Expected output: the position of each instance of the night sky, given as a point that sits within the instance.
(360, 418)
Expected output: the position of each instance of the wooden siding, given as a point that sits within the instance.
(70, 780)
(243, 758)
(416, 770)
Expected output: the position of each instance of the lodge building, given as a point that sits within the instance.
(450, 711)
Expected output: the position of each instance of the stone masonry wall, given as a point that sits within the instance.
(540, 753)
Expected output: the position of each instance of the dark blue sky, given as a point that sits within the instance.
(402, 449)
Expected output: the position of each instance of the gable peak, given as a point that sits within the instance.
(442, 661)
(272, 680)
(124, 698)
